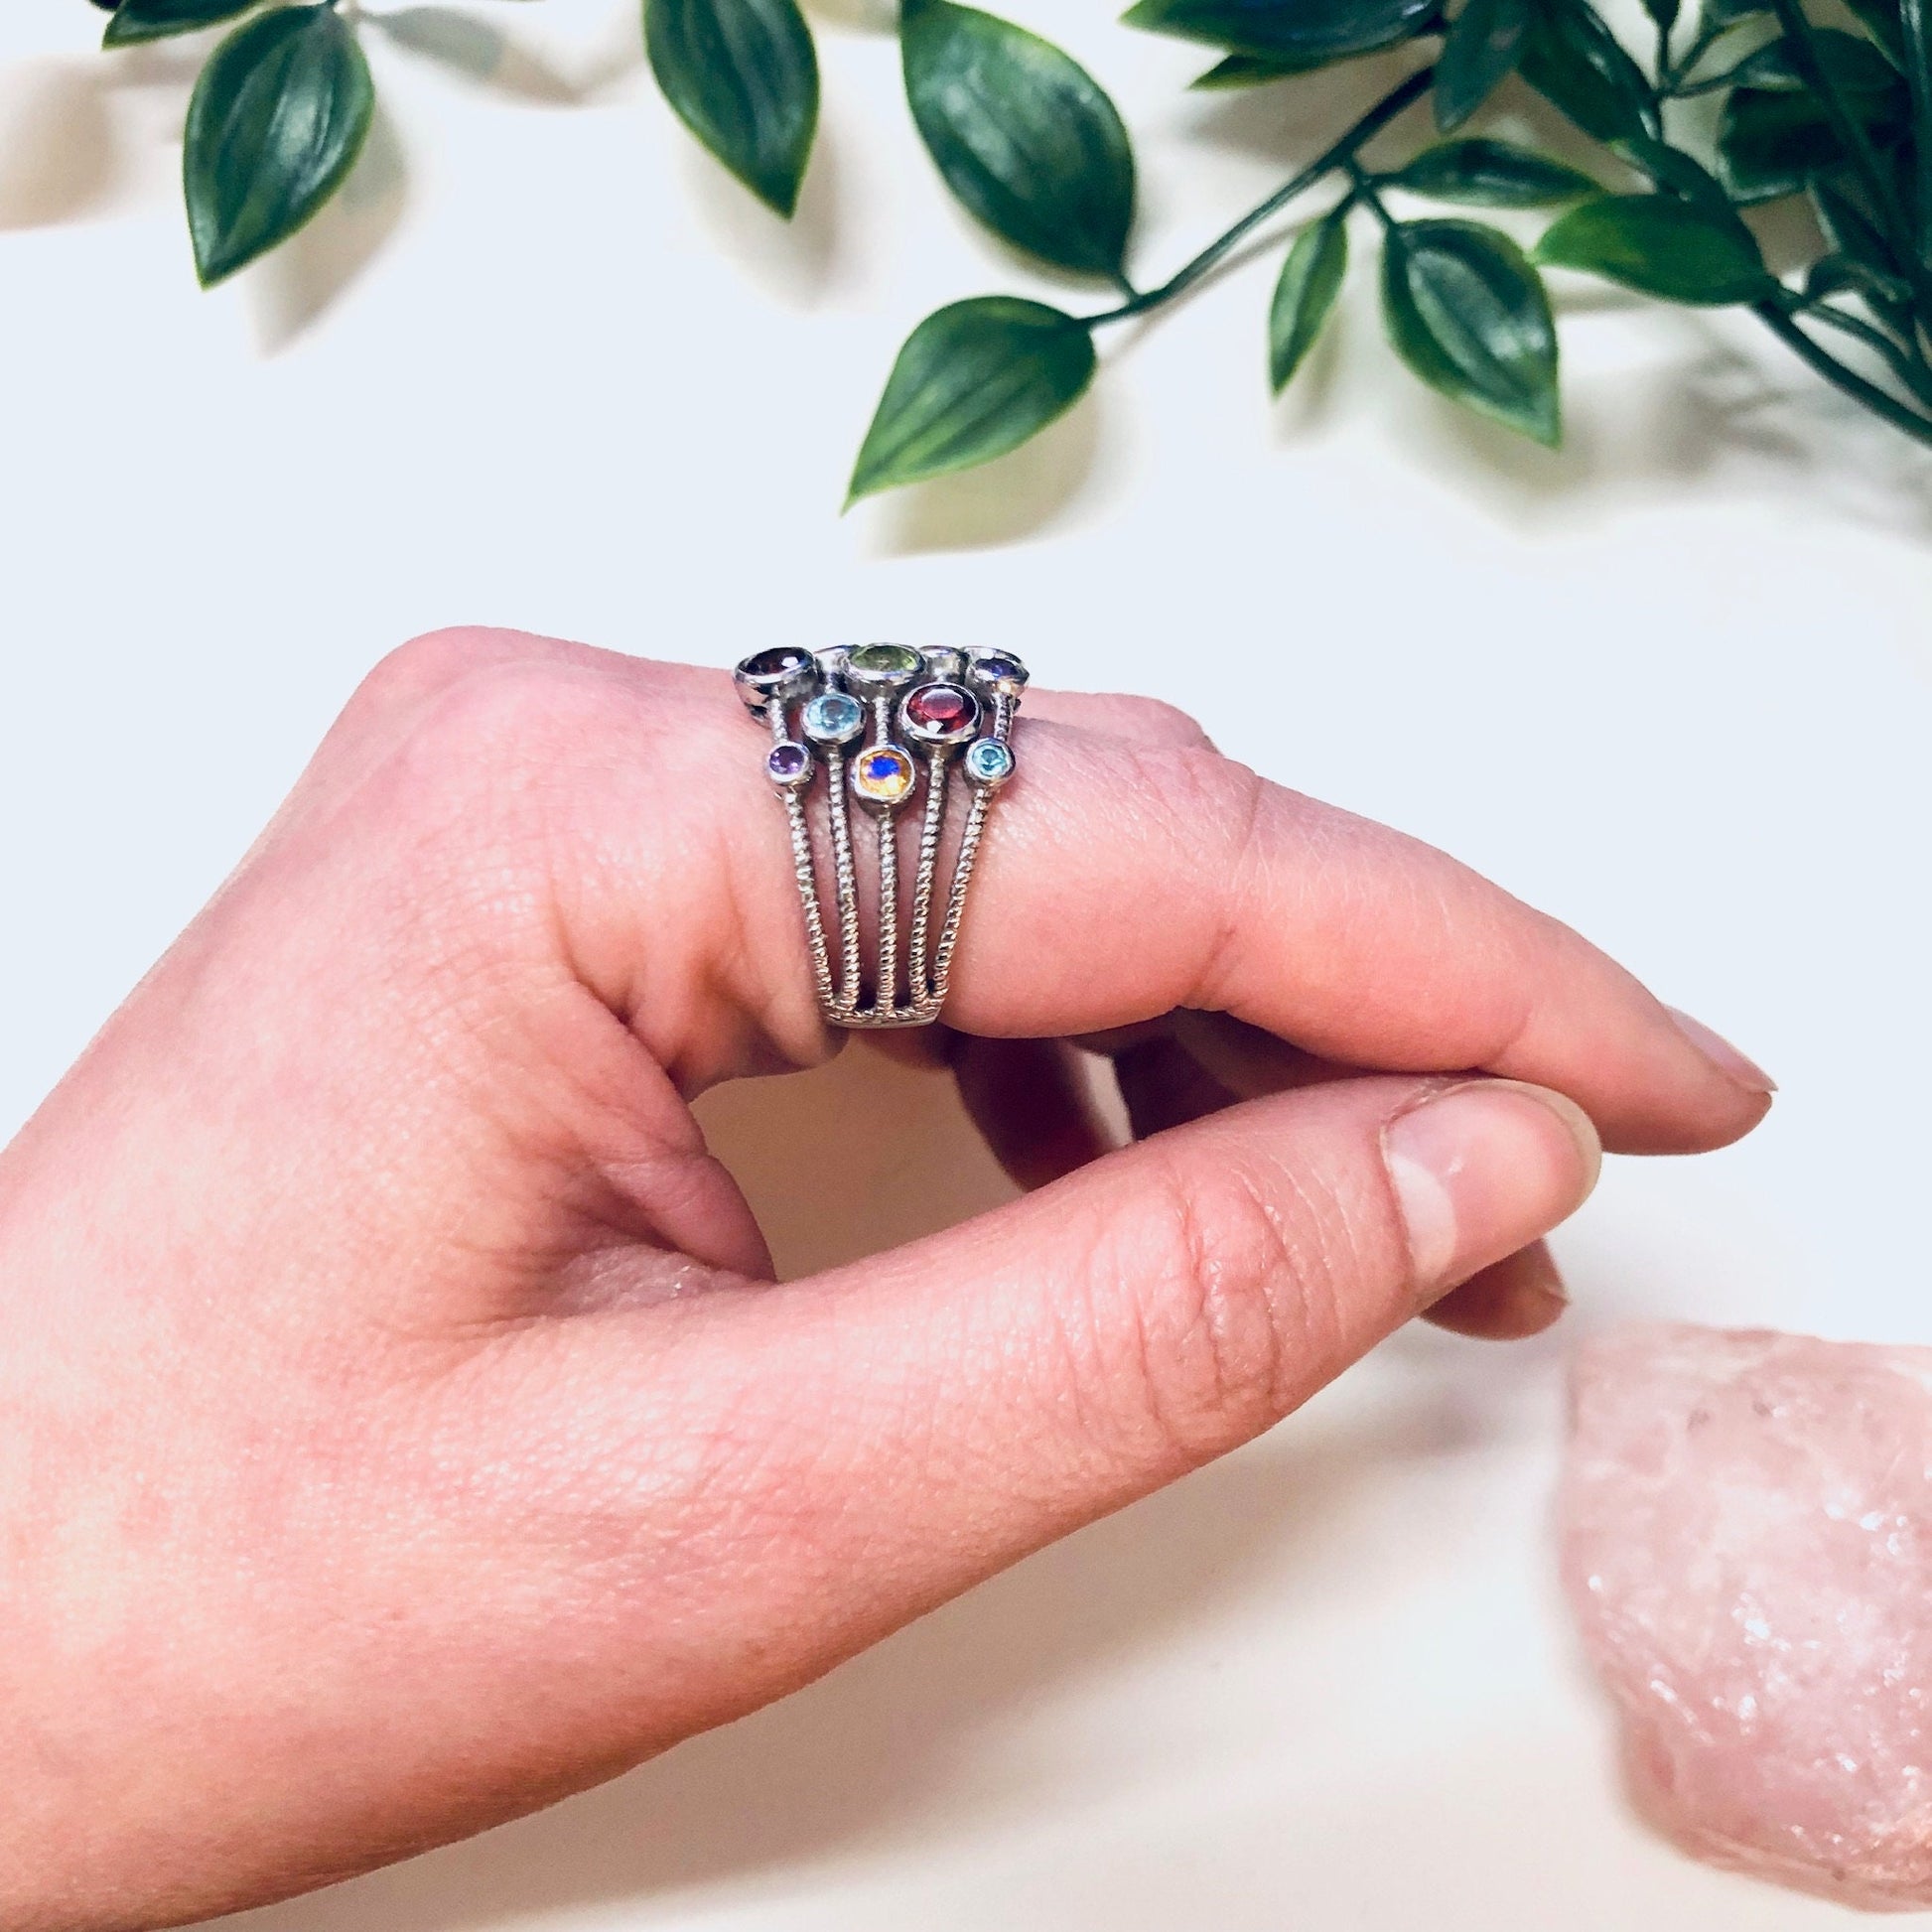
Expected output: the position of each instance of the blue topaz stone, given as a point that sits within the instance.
(834, 718)
(989, 762)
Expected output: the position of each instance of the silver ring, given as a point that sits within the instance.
(879, 719)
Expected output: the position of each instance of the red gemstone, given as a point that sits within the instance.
(939, 707)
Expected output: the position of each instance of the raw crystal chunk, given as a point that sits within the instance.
(1747, 1527)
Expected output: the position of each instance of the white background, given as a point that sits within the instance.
(546, 366)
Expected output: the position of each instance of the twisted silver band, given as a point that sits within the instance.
(882, 720)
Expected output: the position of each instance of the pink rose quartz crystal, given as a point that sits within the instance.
(1747, 1525)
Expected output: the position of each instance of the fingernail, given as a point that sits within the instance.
(1482, 1170)
(1722, 1054)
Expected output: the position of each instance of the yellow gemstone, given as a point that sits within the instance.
(882, 775)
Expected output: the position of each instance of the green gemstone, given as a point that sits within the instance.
(885, 661)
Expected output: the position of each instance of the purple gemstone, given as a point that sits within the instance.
(779, 661)
(999, 667)
(787, 762)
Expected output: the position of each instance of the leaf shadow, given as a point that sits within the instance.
(1074, 468)
(477, 50)
(293, 288)
(60, 153)
(1711, 412)
(795, 262)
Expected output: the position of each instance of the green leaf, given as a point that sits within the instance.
(1022, 135)
(1300, 27)
(1879, 19)
(134, 21)
(277, 118)
(742, 76)
(1579, 66)
(1850, 229)
(1253, 69)
(1915, 33)
(1467, 313)
(1772, 144)
(1492, 174)
(1721, 14)
(1851, 64)
(1310, 281)
(1679, 174)
(1660, 246)
(1479, 51)
(973, 381)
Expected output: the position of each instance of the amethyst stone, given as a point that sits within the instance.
(789, 763)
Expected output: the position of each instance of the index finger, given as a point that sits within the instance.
(1122, 878)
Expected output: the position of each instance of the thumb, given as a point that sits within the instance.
(968, 1398)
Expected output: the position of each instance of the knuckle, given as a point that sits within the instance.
(1161, 722)
(499, 736)
(427, 665)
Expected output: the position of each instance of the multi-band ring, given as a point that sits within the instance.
(873, 716)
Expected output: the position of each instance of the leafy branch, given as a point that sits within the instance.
(1031, 145)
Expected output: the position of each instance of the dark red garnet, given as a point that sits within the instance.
(778, 661)
(939, 707)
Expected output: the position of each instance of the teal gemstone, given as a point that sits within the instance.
(834, 718)
(989, 762)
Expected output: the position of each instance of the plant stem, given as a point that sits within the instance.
(1825, 363)
(1340, 155)
(1899, 359)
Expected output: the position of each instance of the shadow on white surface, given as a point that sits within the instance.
(293, 288)
(1069, 473)
(478, 50)
(59, 154)
(795, 262)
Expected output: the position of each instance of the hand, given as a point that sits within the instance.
(403, 1429)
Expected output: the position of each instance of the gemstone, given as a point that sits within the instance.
(1744, 1524)
(788, 763)
(833, 717)
(999, 671)
(989, 762)
(941, 714)
(882, 775)
(939, 706)
(885, 664)
(779, 661)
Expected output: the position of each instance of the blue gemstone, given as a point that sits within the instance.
(989, 762)
(833, 717)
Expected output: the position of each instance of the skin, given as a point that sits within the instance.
(404, 1429)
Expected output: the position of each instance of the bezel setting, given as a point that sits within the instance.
(882, 670)
(925, 728)
(833, 717)
(887, 724)
(997, 671)
(776, 676)
(882, 776)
